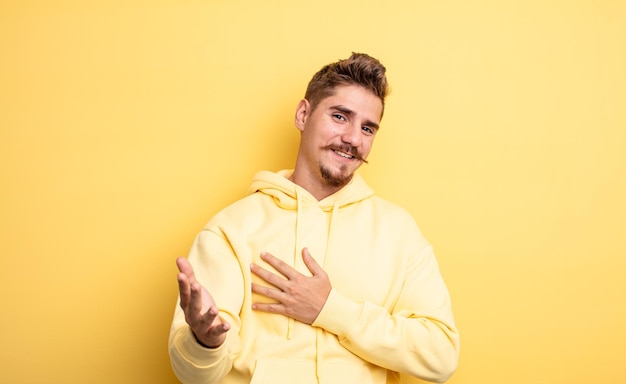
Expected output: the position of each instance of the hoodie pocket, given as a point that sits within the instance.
(291, 371)
(284, 371)
(345, 372)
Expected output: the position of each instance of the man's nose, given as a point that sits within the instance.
(352, 134)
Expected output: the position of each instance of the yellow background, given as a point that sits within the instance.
(126, 124)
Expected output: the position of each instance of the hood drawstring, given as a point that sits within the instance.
(291, 322)
(330, 230)
(319, 334)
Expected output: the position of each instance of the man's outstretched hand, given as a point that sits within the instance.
(200, 310)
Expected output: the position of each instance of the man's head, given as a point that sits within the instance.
(338, 120)
(359, 69)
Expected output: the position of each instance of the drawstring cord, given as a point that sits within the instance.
(319, 333)
(291, 322)
(330, 230)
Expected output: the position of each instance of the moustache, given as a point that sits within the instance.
(346, 148)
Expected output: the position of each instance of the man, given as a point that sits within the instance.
(311, 278)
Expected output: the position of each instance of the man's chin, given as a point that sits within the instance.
(336, 179)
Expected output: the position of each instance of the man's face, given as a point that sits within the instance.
(338, 134)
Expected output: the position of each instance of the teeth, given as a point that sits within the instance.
(342, 154)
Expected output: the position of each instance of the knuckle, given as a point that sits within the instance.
(290, 290)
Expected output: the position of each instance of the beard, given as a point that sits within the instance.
(335, 179)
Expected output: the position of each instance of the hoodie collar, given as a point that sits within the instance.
(286, 193)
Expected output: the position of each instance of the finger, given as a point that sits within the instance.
(268, 292)
(268, 276)
(195, 303)
(206, 320)
(183, 290)
(220, 329)
(279, 265)
(272, 308)
(210, 328)
(311, 263)
(185, 267)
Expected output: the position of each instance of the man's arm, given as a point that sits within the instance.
(417, 337)
(198, 325)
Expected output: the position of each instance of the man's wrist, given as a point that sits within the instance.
(202, 344)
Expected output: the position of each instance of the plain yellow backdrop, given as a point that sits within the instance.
(124, 125)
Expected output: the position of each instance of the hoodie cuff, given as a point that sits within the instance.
(197, 354)
(339, 314)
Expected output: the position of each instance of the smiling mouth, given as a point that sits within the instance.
(345, 155)
(346, 152)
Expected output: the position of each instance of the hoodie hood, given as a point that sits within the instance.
(286, 194)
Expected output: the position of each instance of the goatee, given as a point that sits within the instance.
(335, 180)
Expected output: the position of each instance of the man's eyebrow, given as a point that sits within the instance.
(349, 112)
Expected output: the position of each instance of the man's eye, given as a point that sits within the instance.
(368, 130)
(339, 117)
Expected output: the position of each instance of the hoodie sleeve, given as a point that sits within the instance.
(417, 336)
(218, 270)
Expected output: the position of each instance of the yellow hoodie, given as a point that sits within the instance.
(387, 319)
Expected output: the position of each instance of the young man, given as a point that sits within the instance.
(312, 278)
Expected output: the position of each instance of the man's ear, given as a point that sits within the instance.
(302, 113)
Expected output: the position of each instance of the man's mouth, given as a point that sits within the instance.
(343, 154)
(347, 152)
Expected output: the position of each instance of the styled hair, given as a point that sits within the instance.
(359, 69)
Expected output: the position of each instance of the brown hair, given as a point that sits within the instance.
(360, 69)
